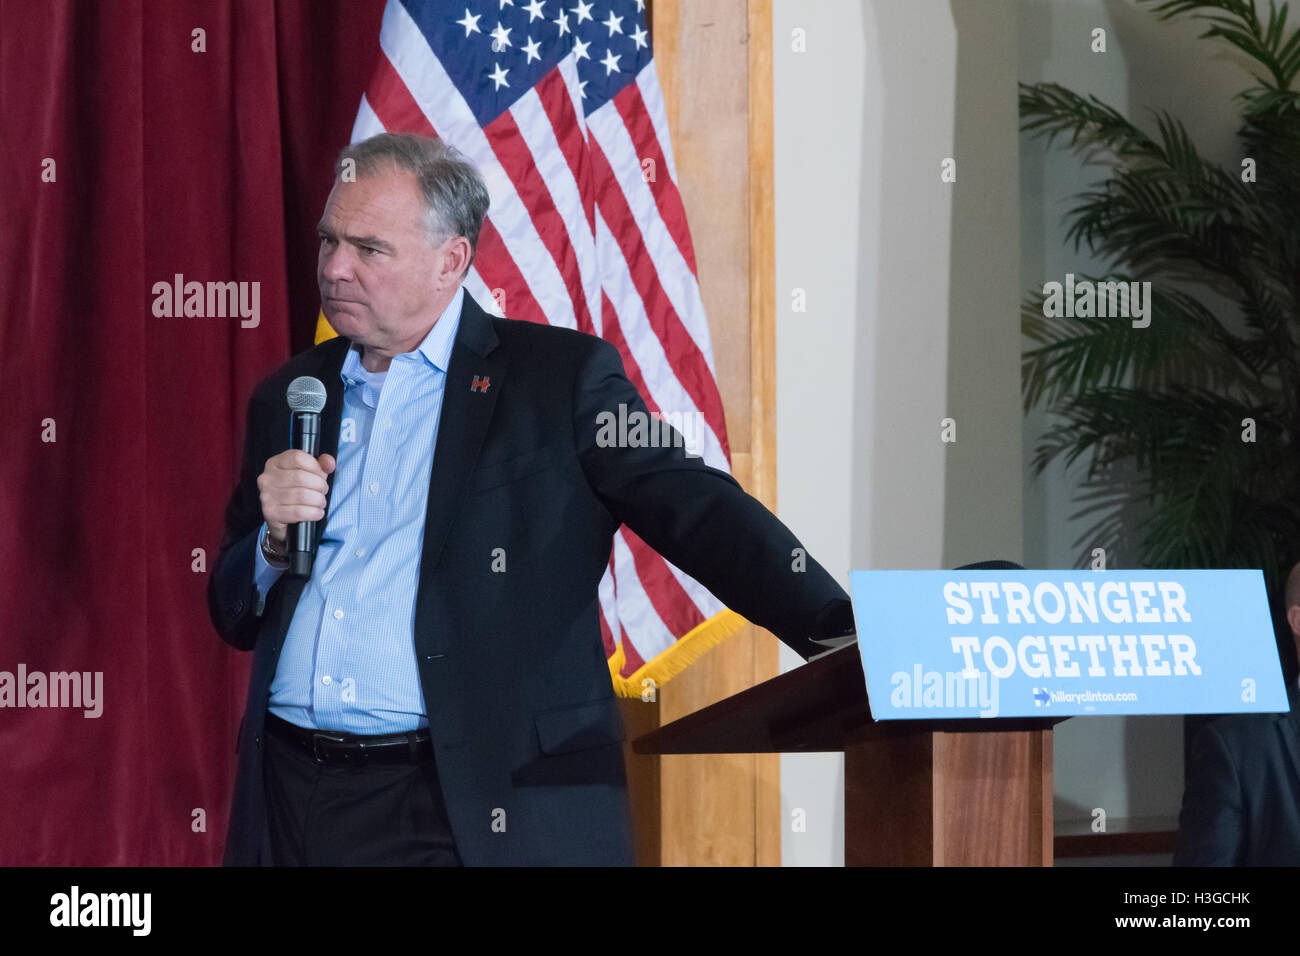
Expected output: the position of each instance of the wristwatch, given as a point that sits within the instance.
(274, 556)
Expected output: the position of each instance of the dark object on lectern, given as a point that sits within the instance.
(991, 566)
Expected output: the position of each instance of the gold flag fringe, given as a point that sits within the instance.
(664, 666)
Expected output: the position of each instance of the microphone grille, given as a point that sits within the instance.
(306, 394)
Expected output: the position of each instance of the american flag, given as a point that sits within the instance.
(559, 107)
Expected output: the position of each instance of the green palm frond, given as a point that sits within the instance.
(1190, 427)
(1051, 110)
(1185, 344)
(1237, 22)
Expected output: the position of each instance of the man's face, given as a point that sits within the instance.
(382, 281)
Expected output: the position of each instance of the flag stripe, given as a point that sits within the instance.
(569, 135)
(517, 159)
(636, 119)
(671, 602)
(367, 123)
(616, 158)
(666, 389)
(700, 596)
(633, 660)
(647, 81)
(636, 611)
(680, 350)
(614, 336)
(608, 608)
(560, 153)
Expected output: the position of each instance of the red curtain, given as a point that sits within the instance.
(132, 156)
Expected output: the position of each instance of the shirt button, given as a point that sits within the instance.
(374, 487)
(388, 423)
(361, 552)
(338, 614)
(326, 679)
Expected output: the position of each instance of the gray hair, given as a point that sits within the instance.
(453, 190)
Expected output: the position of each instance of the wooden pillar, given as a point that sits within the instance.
(714, 59)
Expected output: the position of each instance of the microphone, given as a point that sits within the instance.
(306, 397)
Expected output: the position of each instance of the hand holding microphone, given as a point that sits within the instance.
(293, 485)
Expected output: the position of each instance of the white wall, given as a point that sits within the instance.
(911, 288)
(820, 102)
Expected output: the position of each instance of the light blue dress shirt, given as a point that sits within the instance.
(348, 661)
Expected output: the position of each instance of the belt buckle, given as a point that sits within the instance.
(316, 738)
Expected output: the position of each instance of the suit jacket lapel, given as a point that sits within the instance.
(475, 377)
(332, 417)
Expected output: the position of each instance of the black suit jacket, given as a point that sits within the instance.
(516, 687)
(1241, 806)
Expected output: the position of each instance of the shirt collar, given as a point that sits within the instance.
(435, 347)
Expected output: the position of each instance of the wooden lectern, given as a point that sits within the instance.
(916, 792)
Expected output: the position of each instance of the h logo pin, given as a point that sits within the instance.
(480, 383)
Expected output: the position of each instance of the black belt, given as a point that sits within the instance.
(336, 747)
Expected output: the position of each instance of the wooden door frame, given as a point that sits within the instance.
(721, 810)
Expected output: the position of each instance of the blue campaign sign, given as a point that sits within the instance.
(1058, 643)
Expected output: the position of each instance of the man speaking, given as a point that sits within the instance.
(435, 692)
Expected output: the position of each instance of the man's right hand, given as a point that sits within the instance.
(293, 487)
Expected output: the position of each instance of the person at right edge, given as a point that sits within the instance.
(1241, 806)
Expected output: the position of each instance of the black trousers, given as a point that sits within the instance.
(327, 815)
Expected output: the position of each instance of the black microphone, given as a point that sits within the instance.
(306, 400)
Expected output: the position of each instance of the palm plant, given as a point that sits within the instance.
(1171, 404)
